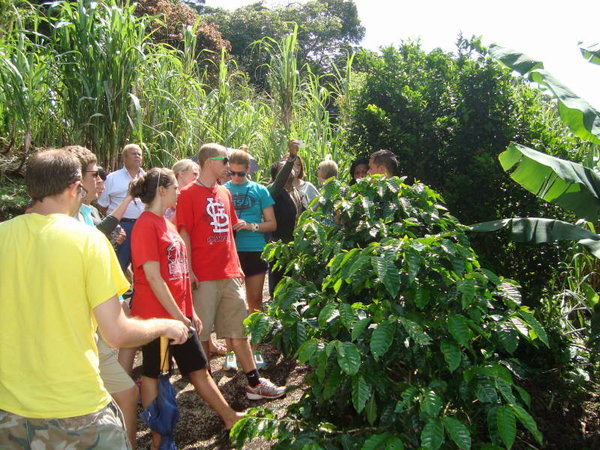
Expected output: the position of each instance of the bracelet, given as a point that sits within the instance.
(254, 226)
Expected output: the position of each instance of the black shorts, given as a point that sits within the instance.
(189, 356)
(252, 263)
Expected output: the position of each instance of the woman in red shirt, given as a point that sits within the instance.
(163, 290)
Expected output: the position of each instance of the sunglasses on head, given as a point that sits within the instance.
(237, 174)
(224, 158)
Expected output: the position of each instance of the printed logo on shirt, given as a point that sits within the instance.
(242, 202)
(177, 264)
(216, 210)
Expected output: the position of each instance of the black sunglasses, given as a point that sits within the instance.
(94, 172)
(238, 174)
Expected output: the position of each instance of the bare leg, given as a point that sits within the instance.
(243, 352)
(149, 393)
(254, 292)
(127, 401)
(207, 389)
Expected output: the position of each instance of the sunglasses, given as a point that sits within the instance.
(224, 158)
(237, 174)
(93, 172)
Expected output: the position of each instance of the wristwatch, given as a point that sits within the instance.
(254, 226)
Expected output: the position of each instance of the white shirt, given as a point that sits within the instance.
(116, 187)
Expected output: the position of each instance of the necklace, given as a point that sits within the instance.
(203, 185)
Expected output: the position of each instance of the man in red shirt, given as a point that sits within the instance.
(206, 219)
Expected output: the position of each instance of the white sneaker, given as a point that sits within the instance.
(230, 362)
(264, 389)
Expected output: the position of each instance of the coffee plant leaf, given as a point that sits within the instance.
(452, 354)
(361, 392)
(383, 441)
(359, 328)
(382, 338)
(348, 358)
(507, 425)
(307, 350)
(538, 330)
(386, 271)
(527, 421)
(431, 404)
(459, 329)
(432, 436)
(458, 432)
(371, 410)
(347, 315)
(327, 314)
(508, 338)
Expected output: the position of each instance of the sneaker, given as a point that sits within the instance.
(230, 362)
(264, 389)
(259, 360)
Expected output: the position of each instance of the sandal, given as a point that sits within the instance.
(218, 350)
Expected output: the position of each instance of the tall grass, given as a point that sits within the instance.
(99, 81)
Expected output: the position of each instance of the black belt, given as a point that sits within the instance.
(127, 220)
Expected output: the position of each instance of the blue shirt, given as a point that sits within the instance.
(249, 200)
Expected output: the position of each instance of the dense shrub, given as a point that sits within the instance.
(410, 340)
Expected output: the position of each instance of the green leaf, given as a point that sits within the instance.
(382, 338)
(538, 231)
(590, 52)
(387, 272)
(524, 395)
(515, 60)
(415, 331)
(327, 314)
(414, 264)
(467, 288)
(536, 326)
(371, 410)
(361, 391)
(359, 328)
(348, 358)
(452, 354)
(432, 435)
(383, 441)
(507, 425)
(486, 391)
(458, 432)
(565, 183)
(422, 296)
(307, 350)
(508, 338)
(459, 329)
(431, 404)
(347, 315)
(527, 421)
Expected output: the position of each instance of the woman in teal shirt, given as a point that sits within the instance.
(254, 207)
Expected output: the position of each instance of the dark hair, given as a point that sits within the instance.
(102, 173)
(146, 186)
(300, 174)
(50, 172)
(386, 158)
(357, 162)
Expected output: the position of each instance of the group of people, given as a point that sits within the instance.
(189, 240)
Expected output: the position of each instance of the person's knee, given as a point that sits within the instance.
(127, 398)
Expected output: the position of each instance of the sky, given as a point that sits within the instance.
(546, 30)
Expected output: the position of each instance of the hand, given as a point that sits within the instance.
(241, 225)
(120, 238)
(293, 146)
(176, 331)
(193, 279)
(196, 323)
(187, 322)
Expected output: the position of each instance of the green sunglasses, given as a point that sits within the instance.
(224, 158)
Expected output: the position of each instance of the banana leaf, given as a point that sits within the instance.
(581, 118)
(537, 230)
(591, 52)
(565, 183)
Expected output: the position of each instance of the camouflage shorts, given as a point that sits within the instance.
(101, 430)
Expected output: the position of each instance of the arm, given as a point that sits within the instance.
(188, 245)
(267, 225)
(107, 225)
(121, 331)
(282, 177)
(120, 210)
(162, 292)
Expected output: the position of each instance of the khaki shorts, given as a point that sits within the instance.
(103, 429)
(221, 304)
(111, 371)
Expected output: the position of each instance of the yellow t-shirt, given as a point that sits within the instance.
(53, 272)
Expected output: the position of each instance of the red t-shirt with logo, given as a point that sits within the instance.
(154, 238)
(208, 215)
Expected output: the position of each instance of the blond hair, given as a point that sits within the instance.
(240, 157)
(183, 165)
(329, 169)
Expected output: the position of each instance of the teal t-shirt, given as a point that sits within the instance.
(249, 200)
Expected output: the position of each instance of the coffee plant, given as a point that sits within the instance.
(410, 341)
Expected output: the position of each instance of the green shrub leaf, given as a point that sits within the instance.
(348, 357)
(432, 435)
(527, 421)
(382, 338)
(459, 329)
(361, 391)
(507, 425)
(387, 272)
(307, 350)
(431, 404)
(536, 326)
(347, 315)
(458, 432)
(359, 328)
(452, 354)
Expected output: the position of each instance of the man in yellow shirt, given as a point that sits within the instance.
(59, 278)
